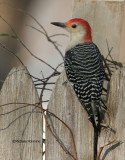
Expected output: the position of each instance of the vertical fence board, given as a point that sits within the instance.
(106, 20)
(19, 88)
(66, 106)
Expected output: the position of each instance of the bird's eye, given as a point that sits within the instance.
(74, 26)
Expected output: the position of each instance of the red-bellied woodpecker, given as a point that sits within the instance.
(84, 70)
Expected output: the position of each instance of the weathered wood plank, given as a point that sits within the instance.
(116, 112)
(19, 87)
(106, 20)
(66, 106)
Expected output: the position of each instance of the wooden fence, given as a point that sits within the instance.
(18, 88)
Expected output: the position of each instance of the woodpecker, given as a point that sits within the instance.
(84, 69)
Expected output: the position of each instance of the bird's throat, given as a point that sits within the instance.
(77, 38)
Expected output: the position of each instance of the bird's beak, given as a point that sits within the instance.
(59, 24)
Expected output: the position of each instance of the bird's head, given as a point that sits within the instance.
(79, 29)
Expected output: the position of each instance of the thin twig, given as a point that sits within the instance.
(37, 79)
(44, 88)
(59, 65)
(61, 34)
(43, 83)
(42, 75)
(101, 148)
(109, 50)
(7, 49)
(106, 66)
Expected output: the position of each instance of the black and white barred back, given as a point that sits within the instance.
(84, 70)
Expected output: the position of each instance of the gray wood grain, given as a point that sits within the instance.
(19, 88)
(66, 106)
(116, 117)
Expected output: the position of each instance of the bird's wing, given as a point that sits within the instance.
(84, 67)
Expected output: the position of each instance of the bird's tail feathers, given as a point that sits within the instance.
(93, 115)
(96, 134)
